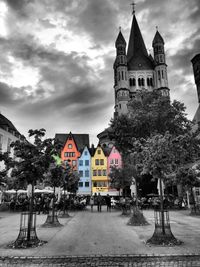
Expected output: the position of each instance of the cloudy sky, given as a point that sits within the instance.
(56, 58)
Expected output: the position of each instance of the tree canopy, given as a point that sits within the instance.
(156, 136)
(149, 113)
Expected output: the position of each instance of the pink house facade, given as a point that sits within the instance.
(114, 159)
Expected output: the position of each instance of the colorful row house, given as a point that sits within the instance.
(84, 168)
(100, 179)
(93, 165)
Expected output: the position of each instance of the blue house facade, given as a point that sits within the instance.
(84, 169)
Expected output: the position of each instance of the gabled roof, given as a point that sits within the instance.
(81, 140)
(120, 39)
(8, 126)
(4, 122)
(157, 39)
(137, 55)
(82, 150)
(106, 151)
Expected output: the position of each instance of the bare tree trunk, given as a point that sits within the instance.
(30, 214)
(53, 205)
(162, 208)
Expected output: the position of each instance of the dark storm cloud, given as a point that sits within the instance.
(182, 59)
(11, 96)
(19, 6)
(67, 74)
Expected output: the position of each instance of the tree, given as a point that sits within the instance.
(121, 178)
(158, 160)
(29, 166)
(149, 113)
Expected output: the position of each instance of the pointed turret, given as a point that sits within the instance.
(120, 40)
(161, 80)
(158, 39)
(121, 76)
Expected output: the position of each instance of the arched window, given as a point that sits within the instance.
(141, 81)
(149, 81)
(159, 75)
(132, 81)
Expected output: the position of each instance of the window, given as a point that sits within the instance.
(122, 75)
(81, 173)
(85, 153)
(96, 161)
(162, 74)
(87, 184)
(99, 172)
(87, 163)
(8, 145)
(94, 172)
(101, 162)
(66, 162)
(99, 151)
(141, 81)
(87, 173)
(80, 163)
(112, 161)
(1, 141)
(80, 184)
(73, 162)
(70, 146)
(132, 81)
(104, 172)
(116, 161)
(158, 74)
(66, 154)
(95, 184)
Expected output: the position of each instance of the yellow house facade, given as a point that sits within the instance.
(100, 181)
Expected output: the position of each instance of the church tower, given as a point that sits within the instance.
(196, 68)
(140, 64)
(121, 76)
(161, 80)
(138, 71)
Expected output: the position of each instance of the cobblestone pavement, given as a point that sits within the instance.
(101, 239)
(105, 260)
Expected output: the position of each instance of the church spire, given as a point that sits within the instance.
(137, 54)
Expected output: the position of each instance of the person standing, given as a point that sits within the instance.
(99, 202)
(108, 202)
(91, 203)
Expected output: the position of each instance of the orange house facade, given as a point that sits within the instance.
(70, 153)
